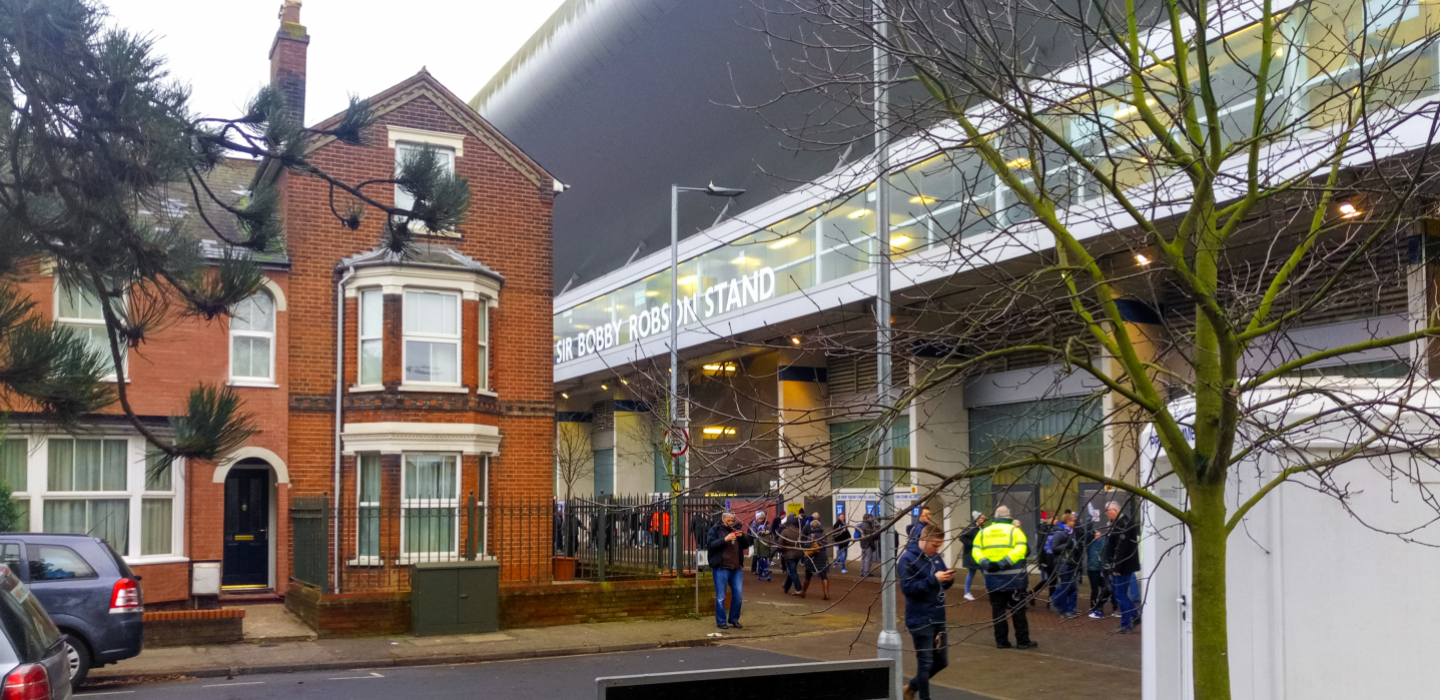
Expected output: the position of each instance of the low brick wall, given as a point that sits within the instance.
(164, 583)
(547, 605)
(177, 628)
(349, 614)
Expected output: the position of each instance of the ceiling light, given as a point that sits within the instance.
(1130, 109)
(687, 279)
(1348, 210)
(1019, 163)
(899, 240)
(652, 293)
(582, 326)
(858, 213)
(739, 260)
(718, 430)
(794, 340)
(564, 395)
(922, 199)
(625, 382)
(777, 245)
(605, 387)
(720, 367)
(1279, 51)
(1140, 258)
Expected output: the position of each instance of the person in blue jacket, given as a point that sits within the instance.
(924, 578)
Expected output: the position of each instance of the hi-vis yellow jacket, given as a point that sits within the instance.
(1003, 543)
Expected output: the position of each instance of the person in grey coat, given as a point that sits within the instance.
(869, 544)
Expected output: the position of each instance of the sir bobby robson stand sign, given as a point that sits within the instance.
(714, 300)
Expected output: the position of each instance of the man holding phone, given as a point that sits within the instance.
(924, 578)
(726, 547)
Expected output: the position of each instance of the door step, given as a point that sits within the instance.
(250, 596)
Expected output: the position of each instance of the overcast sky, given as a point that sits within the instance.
(220, 47)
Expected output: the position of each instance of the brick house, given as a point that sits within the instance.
(445, 368)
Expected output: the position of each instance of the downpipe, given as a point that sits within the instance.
(339, 417)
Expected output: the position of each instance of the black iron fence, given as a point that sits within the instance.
(607, 539)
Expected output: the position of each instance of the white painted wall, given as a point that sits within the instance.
(1321, 606)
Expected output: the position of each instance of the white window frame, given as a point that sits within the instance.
(453, 504)
(263, 382)
(364, 334)
(482, 381)
(402, 198)
(72, 321)
(136, 493)
(457, 339)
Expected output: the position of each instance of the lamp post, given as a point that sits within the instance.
(677, 424)
(888, 645)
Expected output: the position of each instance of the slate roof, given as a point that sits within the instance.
(230, 181)
(424, 254)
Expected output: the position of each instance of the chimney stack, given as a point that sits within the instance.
(287, 59)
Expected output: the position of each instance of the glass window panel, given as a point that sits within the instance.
(430, 477)
(430, 530)
(431, 362)
(254, 313)
(80, 303)
(60, 473)
(370, 478)
(89, 464)
(370, 359)
(14, 453)
(431, 312)
(156, 526)
(846, 233)
(368, 526)
(157, 473)
(113, 477)
(107, 519)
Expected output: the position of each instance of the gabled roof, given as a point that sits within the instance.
(424, 254)
(424, 84)
(229, 181)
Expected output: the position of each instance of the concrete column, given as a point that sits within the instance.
(940, 442)
(804, 448)
(635, 442)
(1124, 422)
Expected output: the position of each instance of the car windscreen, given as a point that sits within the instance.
(30, 630)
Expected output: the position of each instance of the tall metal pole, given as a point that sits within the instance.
(676, 425)
(889, 644)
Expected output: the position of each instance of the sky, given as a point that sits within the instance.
(220, 48)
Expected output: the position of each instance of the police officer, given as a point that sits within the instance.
(1000, 550)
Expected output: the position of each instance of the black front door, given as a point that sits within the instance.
(247, 529)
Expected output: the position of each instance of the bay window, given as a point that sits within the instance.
(90, 475)
(429, 517)
(432, 337)
(252, 339)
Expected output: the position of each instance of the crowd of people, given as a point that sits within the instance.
(994, 549)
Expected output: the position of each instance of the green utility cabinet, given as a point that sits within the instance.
(454, 597)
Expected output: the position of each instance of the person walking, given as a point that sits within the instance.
(924, 578)
(869, 544)
(756, 526)
(763, 551)
(841, 537)
(726, 549)
(817, 558)
(1043, 558)
(1000, 550)
(967, 550)
(1095, 569)
(912, 533)
(1063, 546)
(1122, 552)
(789, 544)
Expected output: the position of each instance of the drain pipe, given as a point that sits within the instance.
(339, 414)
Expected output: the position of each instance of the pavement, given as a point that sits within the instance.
(1078, 659)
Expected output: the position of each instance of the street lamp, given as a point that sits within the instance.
(677, 424)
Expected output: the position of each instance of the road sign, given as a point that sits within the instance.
(679, 447)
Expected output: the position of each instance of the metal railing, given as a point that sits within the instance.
(606, 539)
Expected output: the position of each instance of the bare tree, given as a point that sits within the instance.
(1154, 197)
(574, 457)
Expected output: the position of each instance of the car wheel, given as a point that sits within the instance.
(77, 658)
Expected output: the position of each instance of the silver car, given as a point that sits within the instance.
(32, 653)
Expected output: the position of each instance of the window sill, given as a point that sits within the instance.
(155, 559)
(365, 388)
(487, 392)
(436, 389)
(365, 561)
(407, 559)
(252, 384)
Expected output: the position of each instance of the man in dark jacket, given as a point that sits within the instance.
(912, 533)
(1122, 552)
(790, 546)
(869, 544)
(841, 537)
(1064, 545)
(924, 578)
(1095, 569)
(726, 549)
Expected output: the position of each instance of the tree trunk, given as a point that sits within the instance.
(1210, 629)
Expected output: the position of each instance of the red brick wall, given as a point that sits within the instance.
(568, 604)
(162, 583)
(508, 228)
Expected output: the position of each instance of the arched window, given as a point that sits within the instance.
(252, 340)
